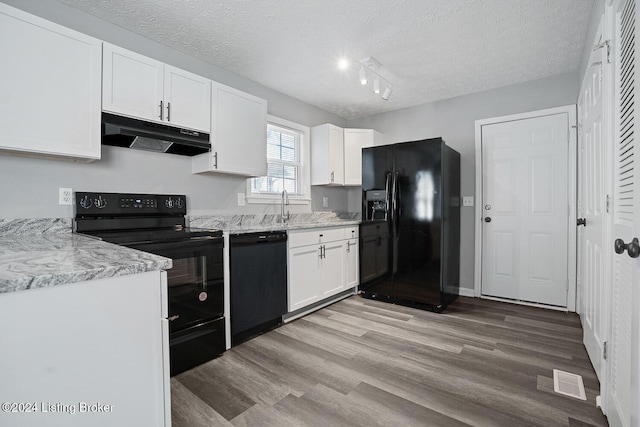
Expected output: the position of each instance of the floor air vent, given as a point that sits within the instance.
(568, 384)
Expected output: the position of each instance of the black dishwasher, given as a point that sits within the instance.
(258, 282)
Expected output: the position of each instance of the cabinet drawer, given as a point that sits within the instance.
(316, 236)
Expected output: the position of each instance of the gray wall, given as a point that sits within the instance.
(454, 120)
(29, 186)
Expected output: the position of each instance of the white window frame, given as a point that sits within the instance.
(304, 177)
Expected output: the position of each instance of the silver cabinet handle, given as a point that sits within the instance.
(215, 160)
(168, 111)
(172, 318)
(161, 110)
(332, 175)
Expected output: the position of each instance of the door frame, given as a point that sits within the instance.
(571, 111)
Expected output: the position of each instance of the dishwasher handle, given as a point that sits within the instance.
(244, 239)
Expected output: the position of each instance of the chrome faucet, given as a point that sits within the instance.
(285, 201)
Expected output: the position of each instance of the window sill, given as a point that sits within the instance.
(276, 200)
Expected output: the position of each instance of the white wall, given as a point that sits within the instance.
(29, 186)
(454, 120)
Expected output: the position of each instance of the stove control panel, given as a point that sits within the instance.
(105, 204)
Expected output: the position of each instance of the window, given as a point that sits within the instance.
(286, 150)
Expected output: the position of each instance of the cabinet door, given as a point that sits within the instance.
(303, 276)
(50, 96)
(332, 268)
(352, 273)
(327, 157)
(132, 84)
(354, 141)
(238, 134)
(187, 98)
(368, 269)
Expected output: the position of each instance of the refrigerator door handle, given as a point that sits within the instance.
(387, 212)
(396, 202)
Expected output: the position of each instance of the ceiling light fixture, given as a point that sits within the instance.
(369, 66)
(376, 85)
(363, 76)
(387, 93)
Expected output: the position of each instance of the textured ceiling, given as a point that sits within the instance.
(429, 49)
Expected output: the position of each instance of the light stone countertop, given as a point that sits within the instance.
(43, 253)
(238, 224)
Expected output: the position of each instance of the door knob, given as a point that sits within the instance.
(633, 248)
(487, 219)
(582, 221)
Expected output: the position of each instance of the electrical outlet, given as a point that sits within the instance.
(325, 202)
(241, 199)
(467, 201)
(65, 196)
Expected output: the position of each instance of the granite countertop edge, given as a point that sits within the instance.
(37, 261)
(232, 229)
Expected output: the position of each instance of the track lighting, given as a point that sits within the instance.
(387, 93)
(368, 66)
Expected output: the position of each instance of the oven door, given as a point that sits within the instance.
(196, 281)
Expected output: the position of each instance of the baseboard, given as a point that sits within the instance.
(466, 292)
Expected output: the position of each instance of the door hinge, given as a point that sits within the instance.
(604, 350)
(604, 44)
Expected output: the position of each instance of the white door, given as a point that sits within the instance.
(303, 276)
(354, 141)
(593, 295)
(622, 391)
(525, 203)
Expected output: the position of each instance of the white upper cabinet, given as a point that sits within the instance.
(140, 87)
(188, 99)
(336, 154)
(354, 141)
(50, 87)
(327, 157)
(238, 134)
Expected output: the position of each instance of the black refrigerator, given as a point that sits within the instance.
(410, 233)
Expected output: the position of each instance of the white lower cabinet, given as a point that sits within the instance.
(86, 354)
(322, 262)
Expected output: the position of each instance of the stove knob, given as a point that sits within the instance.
(85, 202)
(179, 203)
(100, 202)
(169, 203)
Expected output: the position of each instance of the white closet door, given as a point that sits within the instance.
(591, 208)
(625, 226)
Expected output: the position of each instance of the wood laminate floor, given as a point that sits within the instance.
(365, 363)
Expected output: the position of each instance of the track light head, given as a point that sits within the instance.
(363, 76)
(376, 85)
(387, 93)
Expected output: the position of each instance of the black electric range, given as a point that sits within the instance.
(155, 223)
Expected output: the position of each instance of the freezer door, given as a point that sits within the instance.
(417, 234)
(377, 167)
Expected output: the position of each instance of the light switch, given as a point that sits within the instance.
(240, 199)
(467, 201)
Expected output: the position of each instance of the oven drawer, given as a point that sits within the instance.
(196, 345)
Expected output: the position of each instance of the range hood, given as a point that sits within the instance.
(132, 133)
